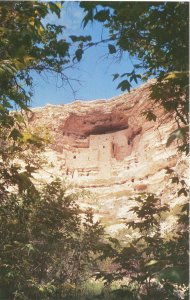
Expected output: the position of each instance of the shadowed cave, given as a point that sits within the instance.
(94, 124)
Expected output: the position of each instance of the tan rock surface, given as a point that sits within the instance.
(109, 148)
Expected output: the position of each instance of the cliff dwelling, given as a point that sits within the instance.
(105, 142)
(108, 148)
(97, 146)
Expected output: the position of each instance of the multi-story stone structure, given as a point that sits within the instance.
(110, 149)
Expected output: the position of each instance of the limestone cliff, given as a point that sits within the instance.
(109, 148)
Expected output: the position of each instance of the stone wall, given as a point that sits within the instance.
(103, 152)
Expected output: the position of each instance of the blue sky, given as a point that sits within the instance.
(94, 70)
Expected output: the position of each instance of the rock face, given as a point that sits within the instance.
(109, 148)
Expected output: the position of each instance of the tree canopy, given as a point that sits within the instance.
(155, 35)
(49, 246)
(28, 43)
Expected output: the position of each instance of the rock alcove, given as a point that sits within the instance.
(108, 147)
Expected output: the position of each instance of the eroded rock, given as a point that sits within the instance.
(109, 148)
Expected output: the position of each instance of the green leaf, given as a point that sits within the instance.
(111, 48)
(175, 179)
(30, 169)
(24, 181)
(115, 76)
(62, 47)
(102, 15)
(183, 191)
(55, 7)
(176, 75)
(169, 170)
(150, 116)
(30, 248)
(19, 118)
(74, 38)
(18, 64)
(124, 85)
(151, 263)
(15, 134)
(87, 18)
(79, 54)
(179, 274)
(27, 59)
(177, 134)
(7, 67)
(80, 38)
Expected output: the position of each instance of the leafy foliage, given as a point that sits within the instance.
(154, 265)
(46, 246)
(28, 44)
(155, 35)
(49, 247)
(45, 243)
